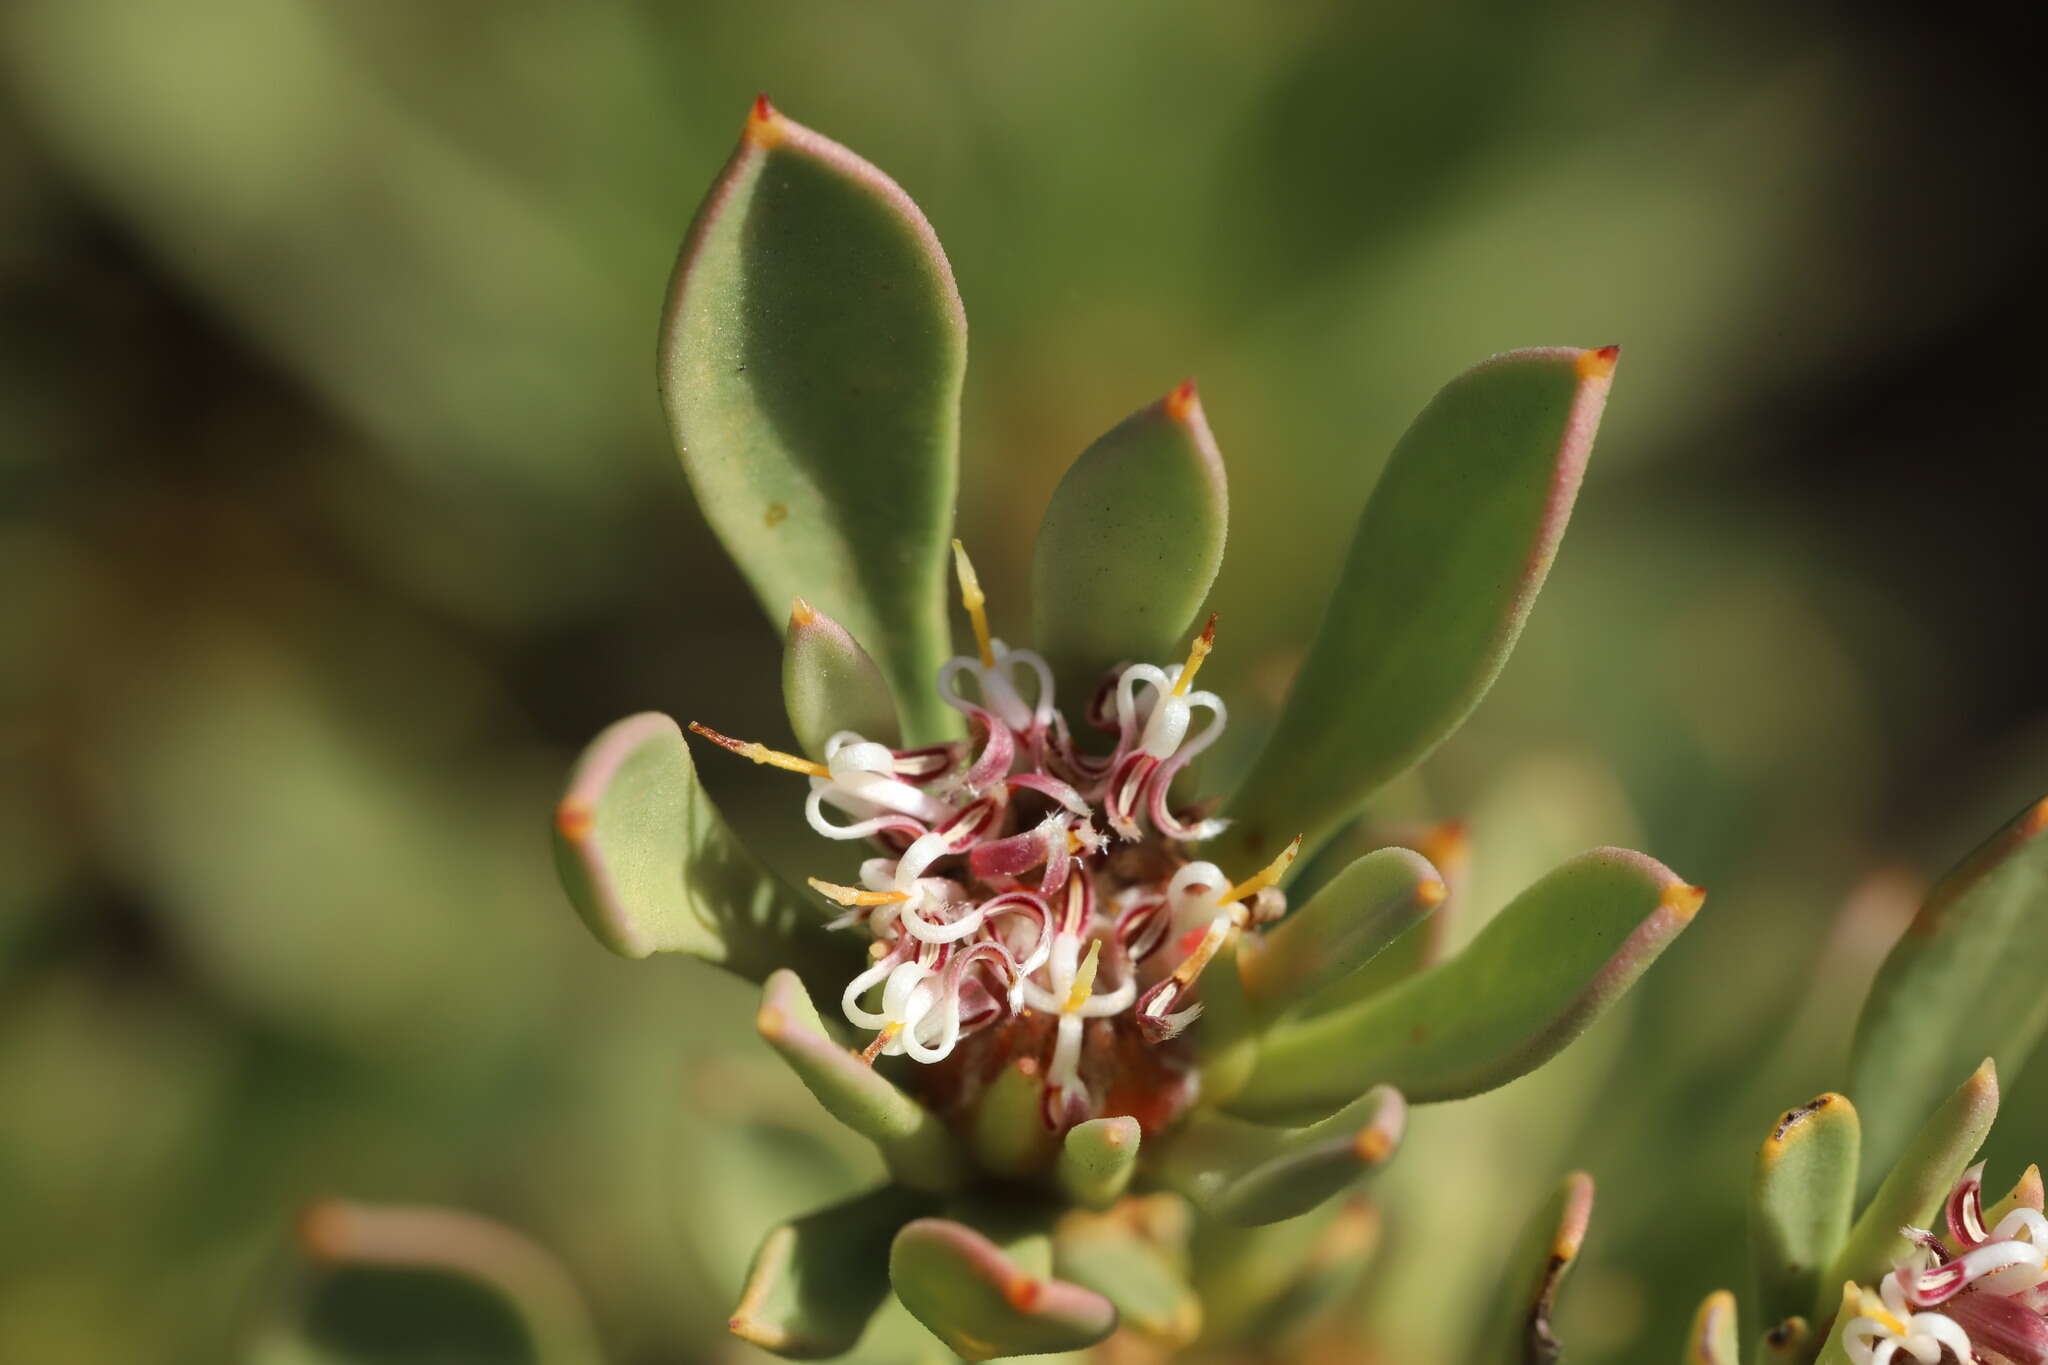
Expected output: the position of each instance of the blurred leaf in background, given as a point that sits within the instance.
(335, 510)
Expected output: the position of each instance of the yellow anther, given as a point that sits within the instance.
(1084, 979)
(1197, 652)
(880, 1041)
(761, 753)
(1272, 872)
(1212, 942)
(976, 602)
(852, 895)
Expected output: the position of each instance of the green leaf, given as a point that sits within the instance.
(1097, 1160)
(1341, 928)
(1248, 1173)
(1446, 562)
(1264, 1286)
(1963, 983)
(1009, 1133)
(811, 359)
(1913, 1192)
(830, 684)
(816, 1282)
(1801, 1200)
(652, 867)
(1130, 544)
(1711, 1339)
(1518, 1332)
(416, 1282)
(983, 1302)
(1108, 1254)
(918, 1149)
(1532, 981)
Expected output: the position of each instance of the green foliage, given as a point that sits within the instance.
(829, 683)
(1801, 1200)
(1519, 1330)
(986, 1300)
(816, 1282)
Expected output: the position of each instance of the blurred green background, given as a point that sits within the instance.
(336, 511)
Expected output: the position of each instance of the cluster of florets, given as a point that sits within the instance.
(1020, 878)
(1975, 1290)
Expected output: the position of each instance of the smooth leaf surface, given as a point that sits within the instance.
(1519, 1332)
(1912, 1193)
(1802, 1196)
(1532, 981)
(920, 1152)
(1962, 984)
(1711, 1339)
(652, 867)
(1009, 1137)
(1110, 1255)
(829, 684)
(1341, 928)
(811, 360)
(982, 1303)
(1097, 1159)
(816, 1282)
(1249, 1173)
(426, 1283)
(1130, 544)
(1446, 562)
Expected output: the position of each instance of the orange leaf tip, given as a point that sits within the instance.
(1372, 1145)
(1183, 401)
(2036, 820)
(326, 1230)
(1431, 892)
(1022, 1293)
(802, 613)
(764, 123)
(768, 1022)
(1598, 364)
(1682, 900)
(572, 820)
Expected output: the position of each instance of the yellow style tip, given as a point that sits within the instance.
(1084, 979)
(1198, 654)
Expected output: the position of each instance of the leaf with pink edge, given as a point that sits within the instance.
(815, 1283)
(1249, 1173)
(1518, 1332)
(985, 1300)
(829, 684)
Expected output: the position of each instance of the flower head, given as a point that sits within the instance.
(1004, 919)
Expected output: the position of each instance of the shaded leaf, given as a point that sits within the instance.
(1341, 928)
(1097, 1159)
(1445, 564)
(1519, 1331)
(1532, 981)
(973, 1296)
(919, 1150)
(417, 1282)
(816, 1282)
(652, 867)
(1130, 543)
(1009, 1135)
(1110, 1254)
(811, 360)
(1962, 984)
(829, 684)
(1916, 1186)
(1248, 1173)
(1801, 1200)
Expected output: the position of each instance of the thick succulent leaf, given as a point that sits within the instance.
(829, 684)
(1444, 566)
(1110, 1254)
(982, 1302)
(816, 1282)
(652, 867)
(2027, 1192)
(1711, 1339)
(1532, 981)
(1963, 983)
(1009, 1135)
(1913, 1192)
(1097, 1160)
(1261, 1286)
(1341, 928)
(1801, 1200)
(1518, 1331)
(920, 1152)
(1248, 1173)
(1424, 943)
(1130, 543)
(437, 1283)
(811, 360)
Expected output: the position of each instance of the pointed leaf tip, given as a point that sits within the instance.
(1519, 1328)
(1712, 1340)
(1444, 566)
(810, 361)
(1183, 404)
(1599, 363)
